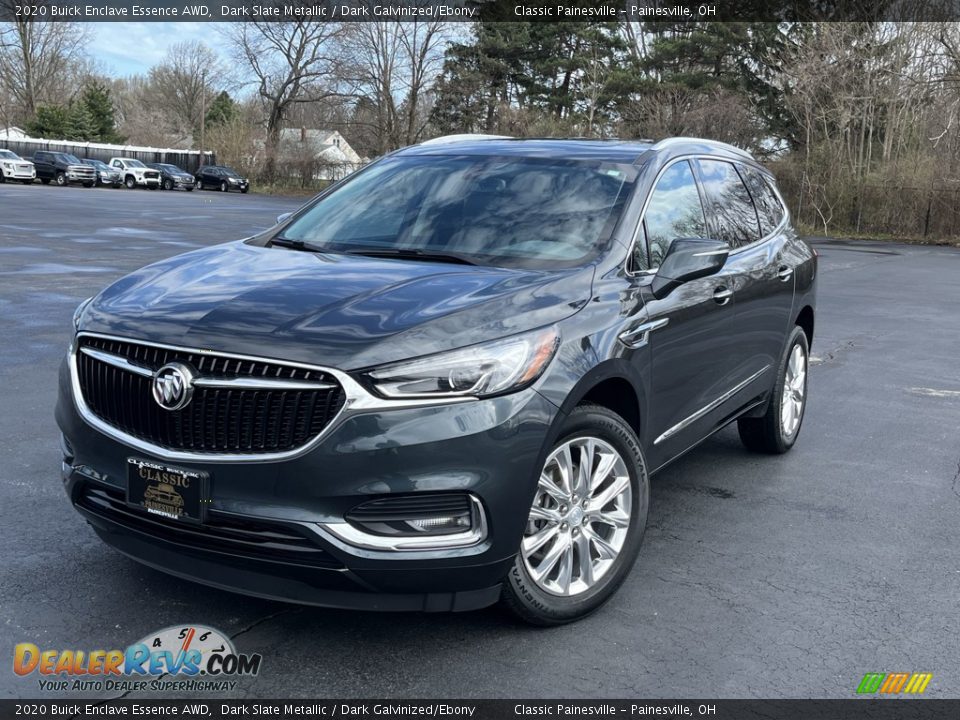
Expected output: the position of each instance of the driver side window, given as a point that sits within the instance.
(674, 211)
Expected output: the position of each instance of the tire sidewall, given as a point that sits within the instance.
(798, 336)
(547, 609)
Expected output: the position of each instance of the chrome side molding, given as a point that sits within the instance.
(686, 422)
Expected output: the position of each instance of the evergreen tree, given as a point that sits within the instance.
(98, 103)
(222, 110)
(80, 123)
(49, 122)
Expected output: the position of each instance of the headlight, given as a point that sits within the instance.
(480, 370)
(8, 165)
(233, 180)
(78, 312)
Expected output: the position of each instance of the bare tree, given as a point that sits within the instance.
(393, 65)
(292, 63)
(188, 77)
(37, 59)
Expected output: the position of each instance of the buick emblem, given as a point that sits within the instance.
(173, 386)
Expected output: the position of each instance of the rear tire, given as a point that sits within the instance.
(45, 181)
(778, 429)
(27, 182)
(593, 528)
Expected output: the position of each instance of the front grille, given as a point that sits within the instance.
(245, 537)
(217, 420)
(151, 174)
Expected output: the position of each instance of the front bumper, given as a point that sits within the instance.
(74, 176)
(490, 449)
(18, 174)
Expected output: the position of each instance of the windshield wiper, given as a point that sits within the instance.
(296, 244)
(413, 254)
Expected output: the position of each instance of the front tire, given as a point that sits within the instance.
(586, 522)
(168, 184)
(778, 429)
(61, 179)
(223, 187)
(130, 182)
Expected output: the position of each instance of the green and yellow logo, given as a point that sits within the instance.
(894, 683)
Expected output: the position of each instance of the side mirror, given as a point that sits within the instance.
(688, 259)
(283, 216)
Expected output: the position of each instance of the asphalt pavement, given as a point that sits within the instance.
(786, 576)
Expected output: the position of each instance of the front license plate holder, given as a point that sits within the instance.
(176, 493)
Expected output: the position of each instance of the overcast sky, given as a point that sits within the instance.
(132, 48)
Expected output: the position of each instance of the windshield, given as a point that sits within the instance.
(168, 168)
(509, 211)
(7, 155)
(230, 173)
(72, 159)
(98, 164)
(134, 163)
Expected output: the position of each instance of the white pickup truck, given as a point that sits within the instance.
(136, 173)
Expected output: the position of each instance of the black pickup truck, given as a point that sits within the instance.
(63, 169)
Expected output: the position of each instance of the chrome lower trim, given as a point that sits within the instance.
(640, 335)
(686, 422)
(357, 401)
(354, 537)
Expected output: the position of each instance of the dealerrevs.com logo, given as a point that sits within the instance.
(177, 658)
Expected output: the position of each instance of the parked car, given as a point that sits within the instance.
(106, 175)
(14, 167)
(136, 173)
(221, 177)
(448, 380)
(172, 177)
(63, 169)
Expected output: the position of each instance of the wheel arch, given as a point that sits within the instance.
(805, 320)
(611, 385)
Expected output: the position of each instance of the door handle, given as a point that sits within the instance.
(785, 273)
(722, 295)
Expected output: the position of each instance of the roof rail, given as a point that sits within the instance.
(667, 142)
(463, 137)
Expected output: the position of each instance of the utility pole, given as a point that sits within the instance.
(203, 113)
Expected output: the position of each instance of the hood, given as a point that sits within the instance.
(342, 311)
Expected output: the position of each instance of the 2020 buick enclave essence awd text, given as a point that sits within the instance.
(447, 379)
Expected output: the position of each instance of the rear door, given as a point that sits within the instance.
(44, 165)
(691, 351)
(757, 324)
(768, 306)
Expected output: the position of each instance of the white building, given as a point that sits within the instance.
(331, 155)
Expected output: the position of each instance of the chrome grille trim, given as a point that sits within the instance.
(357, 401)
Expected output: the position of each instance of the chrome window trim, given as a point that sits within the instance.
(350, 536)
(734, 251)
(357, 401)
(713, 405)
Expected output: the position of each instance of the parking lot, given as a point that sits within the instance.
(787, 576)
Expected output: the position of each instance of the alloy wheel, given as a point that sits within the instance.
(794, 391)
(580, 517)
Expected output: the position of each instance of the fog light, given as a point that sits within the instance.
(413, 515)
(413, 522)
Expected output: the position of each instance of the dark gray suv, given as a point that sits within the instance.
(446, 380)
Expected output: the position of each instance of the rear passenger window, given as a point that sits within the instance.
(729, 202)
(769, 208)
(674, 211)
